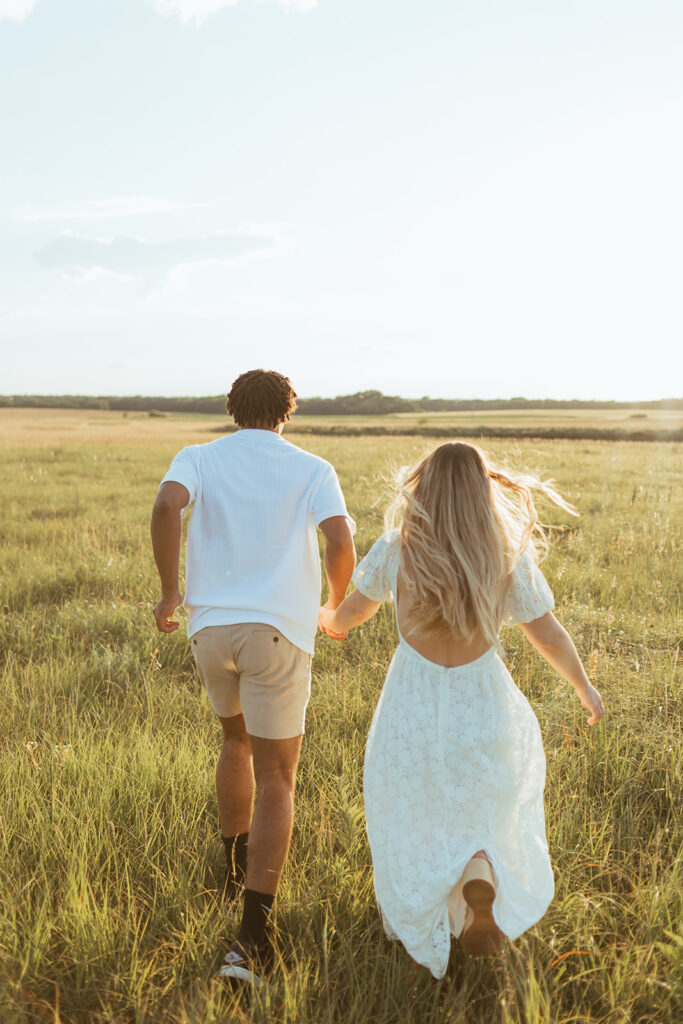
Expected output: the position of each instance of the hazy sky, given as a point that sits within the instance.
(447, 197)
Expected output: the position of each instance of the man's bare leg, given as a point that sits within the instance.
(235, 792)
(234, 778)
(275, 763)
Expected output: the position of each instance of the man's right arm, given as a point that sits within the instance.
(340, 557)
(171, 498)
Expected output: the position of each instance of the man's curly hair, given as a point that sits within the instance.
(261, 397)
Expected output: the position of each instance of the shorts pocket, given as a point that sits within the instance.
(263, 652)
(205, 651)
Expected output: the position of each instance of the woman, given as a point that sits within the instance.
(454, 764)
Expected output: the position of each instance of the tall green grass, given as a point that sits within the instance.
(109, 848)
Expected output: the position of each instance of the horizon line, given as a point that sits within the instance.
(350, 394)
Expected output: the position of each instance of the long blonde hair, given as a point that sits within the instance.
(463, 525)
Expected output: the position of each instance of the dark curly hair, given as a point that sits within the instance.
(261, 397)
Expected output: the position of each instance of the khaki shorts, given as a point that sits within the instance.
(252, 669)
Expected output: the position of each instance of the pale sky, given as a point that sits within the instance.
(456, 198)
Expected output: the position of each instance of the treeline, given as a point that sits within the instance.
(362, 403)
(369, 403)
(135, 403)
(581, 433)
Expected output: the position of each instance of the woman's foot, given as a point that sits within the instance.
(411, 969)
(481, 935)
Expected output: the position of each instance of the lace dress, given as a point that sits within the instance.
(454, 763)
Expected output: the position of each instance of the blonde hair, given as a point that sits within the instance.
(463, 525)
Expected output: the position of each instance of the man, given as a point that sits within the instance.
(252, 597)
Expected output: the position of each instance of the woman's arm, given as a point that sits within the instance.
(554, 644)
(353, 610)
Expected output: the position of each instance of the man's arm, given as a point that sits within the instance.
(165, 529)
(340, 557)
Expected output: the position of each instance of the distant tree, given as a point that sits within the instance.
(366, 403)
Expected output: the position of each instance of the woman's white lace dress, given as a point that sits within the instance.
(454, 763)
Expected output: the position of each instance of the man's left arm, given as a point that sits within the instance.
(338, 528)
(165, 528)
(340, 557)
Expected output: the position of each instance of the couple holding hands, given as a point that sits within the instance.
(454, 764)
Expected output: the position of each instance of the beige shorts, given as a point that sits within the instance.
(252, 669)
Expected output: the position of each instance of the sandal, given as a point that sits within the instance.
(482, 936)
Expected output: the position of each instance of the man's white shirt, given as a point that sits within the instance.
(252, 547)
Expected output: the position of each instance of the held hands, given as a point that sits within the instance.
(592, 701)
(163, 612)
(325, 617)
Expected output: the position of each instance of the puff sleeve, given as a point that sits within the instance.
(374, 574)
(529, 596)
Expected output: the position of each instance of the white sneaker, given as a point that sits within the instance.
(245, 967)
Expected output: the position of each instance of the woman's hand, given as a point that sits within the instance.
(325, 617)
(353, 610)
(592, 701)
(553, 642)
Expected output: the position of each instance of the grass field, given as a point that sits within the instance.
(109, 848)
(27, 424)
(622, 419)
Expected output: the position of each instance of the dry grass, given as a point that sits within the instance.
(108, 838)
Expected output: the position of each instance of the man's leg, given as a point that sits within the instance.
(234, 778)
(275, 684)
(235, 793)
(275, 763)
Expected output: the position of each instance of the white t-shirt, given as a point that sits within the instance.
(252, 548)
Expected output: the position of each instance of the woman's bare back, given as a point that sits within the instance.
(447, 650)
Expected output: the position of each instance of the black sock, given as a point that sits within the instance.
(257, 908)
(236, 856)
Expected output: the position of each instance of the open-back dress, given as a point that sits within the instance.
(454, 764)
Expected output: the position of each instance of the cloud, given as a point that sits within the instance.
(16, 10)
(191, 10)
(104, 209)
(8, 311)
(198, 10)
(99, 275)
(186, 10)
(148, 261)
